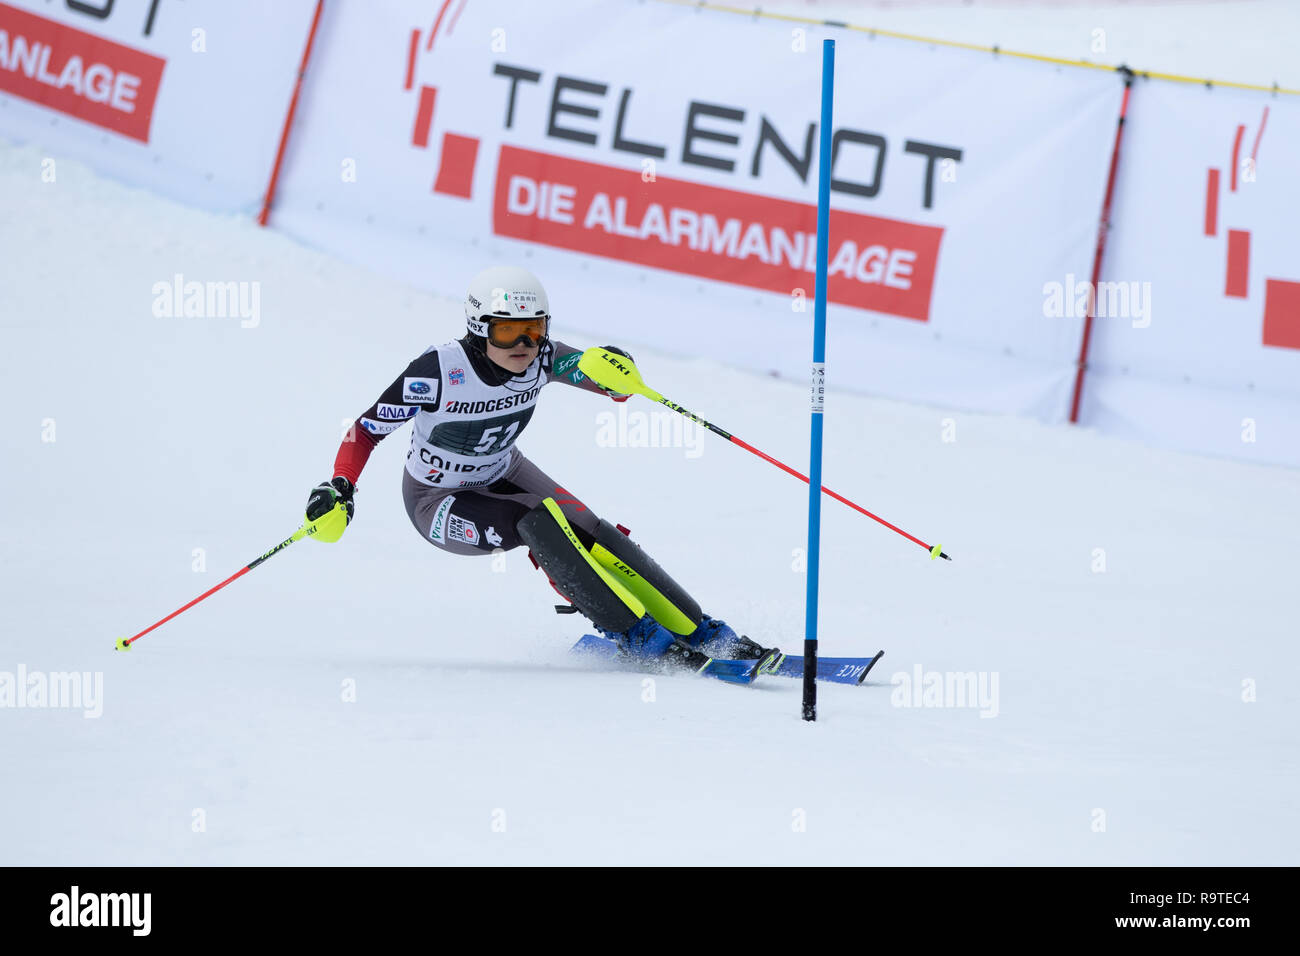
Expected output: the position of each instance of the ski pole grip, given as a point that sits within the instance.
(615, 372)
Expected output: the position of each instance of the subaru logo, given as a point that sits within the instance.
(420, 388)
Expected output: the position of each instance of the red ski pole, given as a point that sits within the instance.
(617, 373)
(328, 527)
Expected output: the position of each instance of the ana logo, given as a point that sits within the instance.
(456, 376)
(420, 388)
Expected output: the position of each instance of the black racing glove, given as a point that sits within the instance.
(324, 496)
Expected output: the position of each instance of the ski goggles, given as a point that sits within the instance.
(507, 333)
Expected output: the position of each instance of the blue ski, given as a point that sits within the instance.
(733, 672)
(836, 670)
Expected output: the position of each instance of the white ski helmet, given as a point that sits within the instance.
(504, 292)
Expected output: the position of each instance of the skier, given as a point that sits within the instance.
(469, 490)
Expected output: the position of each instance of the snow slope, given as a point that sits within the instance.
(474, 737)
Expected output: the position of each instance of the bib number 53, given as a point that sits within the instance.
(490, 437)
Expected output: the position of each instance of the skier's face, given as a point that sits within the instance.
(515, 359)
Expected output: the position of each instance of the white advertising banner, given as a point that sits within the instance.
(656, 166)
(185, 98)
(1197, 340)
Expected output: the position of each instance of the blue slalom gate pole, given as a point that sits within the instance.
(818, 382)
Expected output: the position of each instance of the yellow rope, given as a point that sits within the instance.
(1082, 64)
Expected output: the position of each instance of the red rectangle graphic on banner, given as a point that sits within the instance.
(1238, 283)
(424, 116)
(885, 265)
(456, 166)
(1282, 313)
(77, 73)
(1212, 203)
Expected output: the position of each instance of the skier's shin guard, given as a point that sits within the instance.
(663, 597)
(594, 591)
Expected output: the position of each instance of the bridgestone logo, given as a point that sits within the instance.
(497, 405)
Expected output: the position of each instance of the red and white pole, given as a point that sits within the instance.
(288, 119)
(1102, 230)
